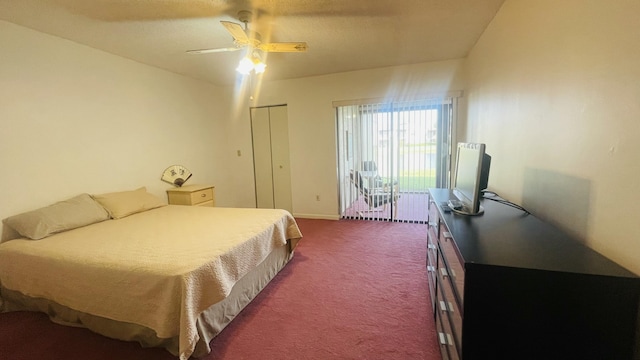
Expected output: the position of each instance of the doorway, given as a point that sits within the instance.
(390, 154)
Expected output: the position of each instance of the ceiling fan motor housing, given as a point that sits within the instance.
(244, 16)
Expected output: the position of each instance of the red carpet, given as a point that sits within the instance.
(354, 290)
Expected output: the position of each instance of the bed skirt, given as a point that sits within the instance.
(209, 324)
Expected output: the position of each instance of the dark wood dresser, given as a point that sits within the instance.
(507, 285)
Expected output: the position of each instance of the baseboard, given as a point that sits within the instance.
(317, 216)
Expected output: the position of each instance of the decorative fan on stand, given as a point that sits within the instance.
(241, 39)
(176, 175)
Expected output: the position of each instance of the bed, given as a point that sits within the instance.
(164, 275)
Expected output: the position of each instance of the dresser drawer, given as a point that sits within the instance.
(433, 227)
(206, 204)
(432, 253)
(447, 305)
(433, 221)
(453, 262)
(447, 338)
(433, 218)
(432, 265)
(194, 195)
(202, 196)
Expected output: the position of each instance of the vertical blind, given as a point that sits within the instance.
(389, 154)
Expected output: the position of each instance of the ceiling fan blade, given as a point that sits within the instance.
(236, 31)
(284, 47)
(208, 51)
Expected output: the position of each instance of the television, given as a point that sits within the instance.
(471, 177)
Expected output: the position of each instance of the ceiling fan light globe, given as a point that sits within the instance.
(259, 67)
(245, 66)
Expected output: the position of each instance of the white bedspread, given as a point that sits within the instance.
(160, 268)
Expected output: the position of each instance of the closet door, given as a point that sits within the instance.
(280, 157)
(261, 134)
(270, 131)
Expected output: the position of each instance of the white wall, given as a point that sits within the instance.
(553, 89)
(74, 120)
(312, 125)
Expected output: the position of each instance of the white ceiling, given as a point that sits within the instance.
(342, 35)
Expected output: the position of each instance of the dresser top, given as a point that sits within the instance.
(190, 188)
(506, 236)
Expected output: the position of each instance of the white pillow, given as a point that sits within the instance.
(65, 215)
(125, 203)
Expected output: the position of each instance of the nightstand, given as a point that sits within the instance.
(192, 195)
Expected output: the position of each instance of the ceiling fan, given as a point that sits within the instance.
(241, 39)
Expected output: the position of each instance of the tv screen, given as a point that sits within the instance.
(471, 177)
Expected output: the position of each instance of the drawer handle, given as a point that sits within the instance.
(203, 195)
(446, 306)
(445, 339)
(445, 273)
(431, 268)
(446, 234)
(431, 246)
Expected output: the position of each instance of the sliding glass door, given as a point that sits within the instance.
(389, 154)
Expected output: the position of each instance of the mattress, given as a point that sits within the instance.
(161, 272)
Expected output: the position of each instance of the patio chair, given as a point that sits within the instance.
(375, 196)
